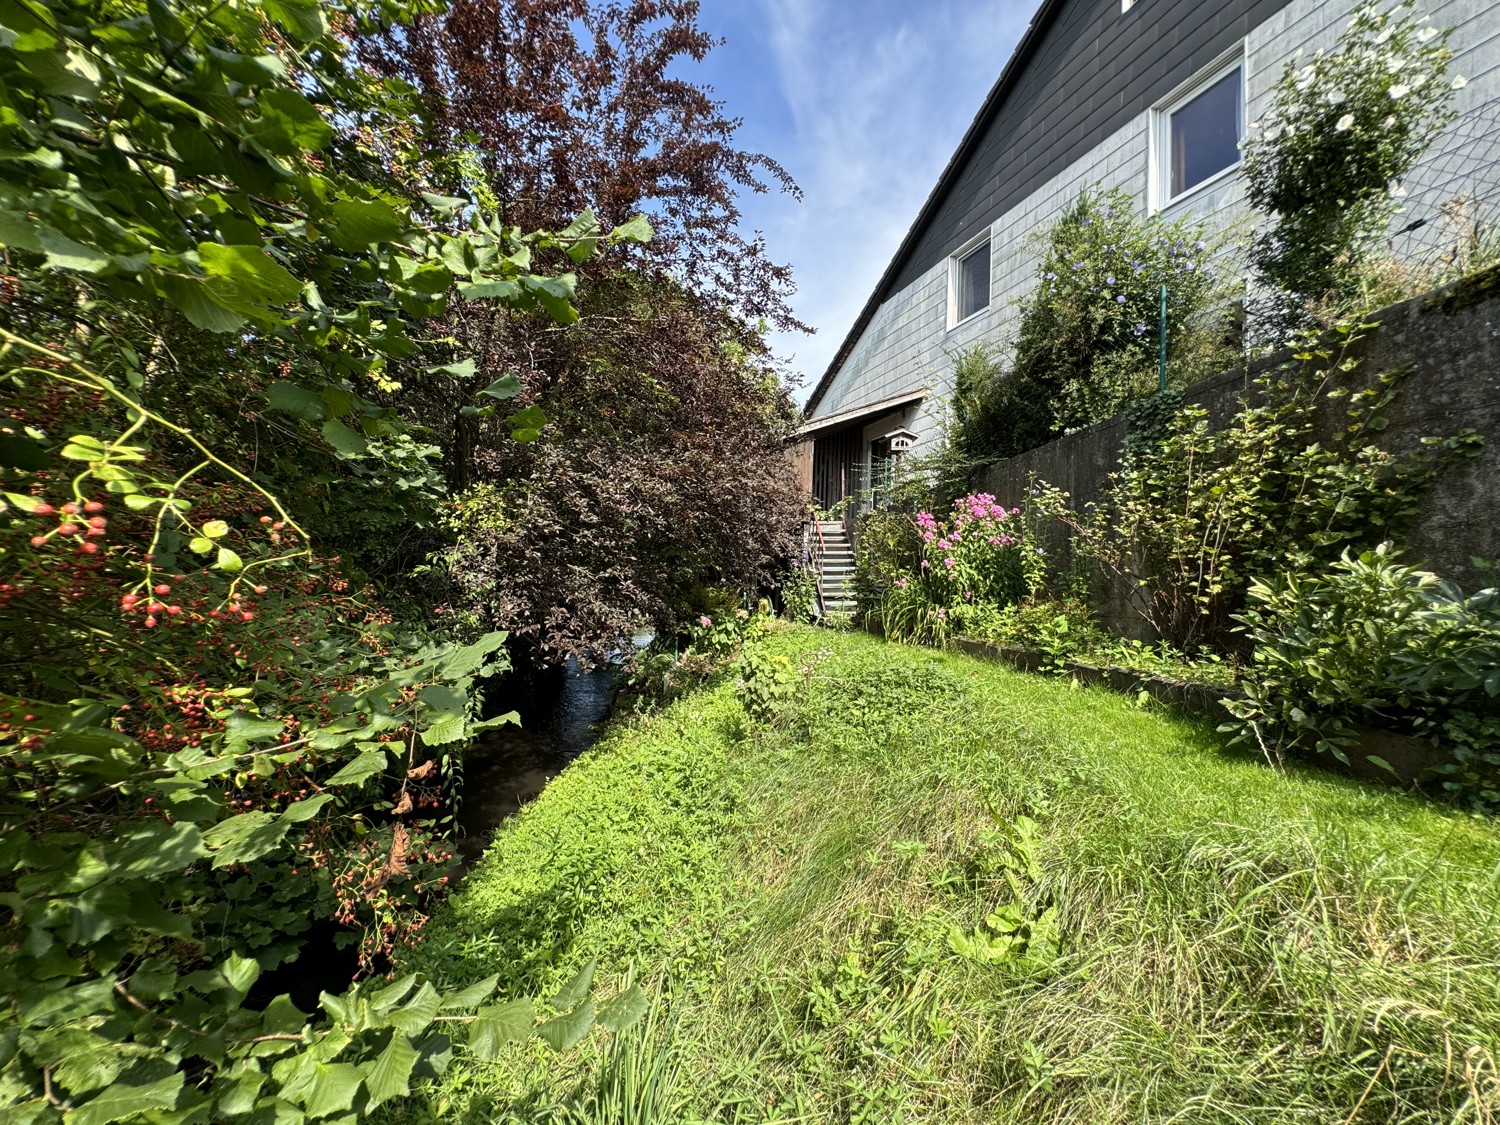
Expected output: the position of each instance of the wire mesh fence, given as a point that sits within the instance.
(1447, 226)
(1450, 217)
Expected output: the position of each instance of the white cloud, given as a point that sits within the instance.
(879, 95)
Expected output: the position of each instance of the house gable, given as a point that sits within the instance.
(1082, 71)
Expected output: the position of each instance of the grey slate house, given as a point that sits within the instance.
(1151, 96)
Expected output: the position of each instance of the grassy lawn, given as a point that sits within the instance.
(938, 890)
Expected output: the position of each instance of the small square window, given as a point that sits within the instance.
(1198, 135)
(971, 281)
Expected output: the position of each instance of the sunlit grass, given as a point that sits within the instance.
(833, 902)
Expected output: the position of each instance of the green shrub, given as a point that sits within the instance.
(1088, 339)
(1343, 129)
(1372, 643)
(889, 547)
(1194, 513)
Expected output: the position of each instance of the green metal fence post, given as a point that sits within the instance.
(1161, 370)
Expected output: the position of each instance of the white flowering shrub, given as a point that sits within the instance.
(1342, 130)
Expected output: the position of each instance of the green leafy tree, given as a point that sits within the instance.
(1088, 339)
(197, 712)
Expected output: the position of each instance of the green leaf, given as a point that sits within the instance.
(572, 993)
(343, 439)
(470, 997)
(302, 19)
(228, 561)
(564, 1032)
(360, 223)
(494, 1027)
(583, 234)
(417, 1013)
(157, 848)
(215, 529)
(638, 229)
(244, 836)
(194, 299)
(389, 1075)
(464, 369)
(123, 1101)
(334, 1086)
(248, 277)
(444, 205)
(526, 424)
(504, 290)
(82, 447)
(507, 386)
(299, 811)
(445, 728)
(297, 401)
(624, 1010)
(366, 765)
(65, 254)
(240, 973)
(200, 546)
(242, 728)
(394, 993)
(339, 401)
(555, 294)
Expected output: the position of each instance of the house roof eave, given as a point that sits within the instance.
(871, 410)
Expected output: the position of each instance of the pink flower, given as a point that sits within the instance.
(928, 536)
(705, 621)
(950, 562)
(900, 583)
(924, 564)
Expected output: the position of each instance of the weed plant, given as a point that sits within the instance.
(936, 890)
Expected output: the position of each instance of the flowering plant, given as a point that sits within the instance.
(1343, 128)
(971, 558)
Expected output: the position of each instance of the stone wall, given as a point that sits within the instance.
(1450, 339)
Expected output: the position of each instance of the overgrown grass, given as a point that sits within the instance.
(938, 890)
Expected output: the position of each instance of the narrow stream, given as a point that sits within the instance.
(560, 719)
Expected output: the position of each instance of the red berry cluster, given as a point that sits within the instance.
(77, 523)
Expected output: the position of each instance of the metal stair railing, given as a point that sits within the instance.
(816, 549)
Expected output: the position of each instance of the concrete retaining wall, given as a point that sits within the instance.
(1451, 340)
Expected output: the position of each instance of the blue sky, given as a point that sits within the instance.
(863, 102)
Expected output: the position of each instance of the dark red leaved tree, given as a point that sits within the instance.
(552, 106)
(661, 475)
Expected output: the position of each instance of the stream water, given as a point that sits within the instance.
(561, 711)
(560, 717)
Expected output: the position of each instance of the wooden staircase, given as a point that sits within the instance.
(835, 567)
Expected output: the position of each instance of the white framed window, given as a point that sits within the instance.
(969, 280)
(1195, 133)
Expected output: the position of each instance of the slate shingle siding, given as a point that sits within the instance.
(1096, 71)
